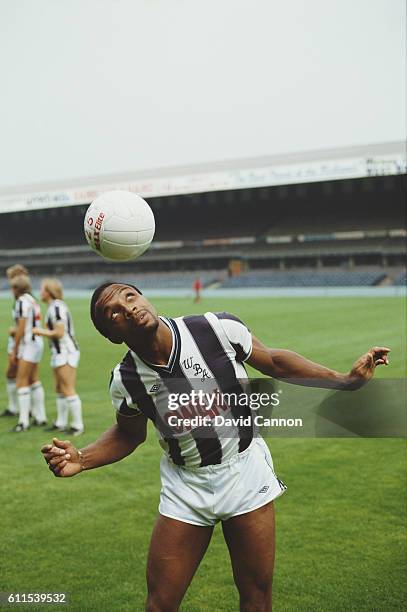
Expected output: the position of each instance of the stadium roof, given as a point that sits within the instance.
(295, 168)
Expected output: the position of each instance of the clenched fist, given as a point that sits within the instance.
(62, 458)
(363, 368)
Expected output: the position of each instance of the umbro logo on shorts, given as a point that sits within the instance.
(264, 489)
(154, 388)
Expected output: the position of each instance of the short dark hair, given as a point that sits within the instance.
(96, 320)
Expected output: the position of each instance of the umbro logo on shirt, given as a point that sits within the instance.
(264, 489)
(154, 388)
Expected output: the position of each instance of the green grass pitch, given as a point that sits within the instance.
(341, 529)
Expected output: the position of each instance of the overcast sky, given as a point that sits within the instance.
(103, 86)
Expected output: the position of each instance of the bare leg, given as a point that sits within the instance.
(11, 371)
(176, 549)
(25, 370)
(34, 375)
(56, 381)
(66, 379)
(23, 378)
(251, 541)
(61, 420)
(12, 406)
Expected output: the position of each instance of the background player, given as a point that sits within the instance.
(64, 356)
(11, 370)
(26, 355)
(197, 286)
(205, 480)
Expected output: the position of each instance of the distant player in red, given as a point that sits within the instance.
(197, 289)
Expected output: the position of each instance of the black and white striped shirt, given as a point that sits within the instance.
(208, 352)
(58, 312)
(27, 308)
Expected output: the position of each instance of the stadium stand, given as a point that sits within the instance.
(215, 278)
(315, 228)
(153, 280)
(401, 279)
(306, 278)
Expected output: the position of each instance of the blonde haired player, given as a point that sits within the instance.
(26, 355)
(11, 370)
(64, 356)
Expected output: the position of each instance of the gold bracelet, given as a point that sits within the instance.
(81, 460)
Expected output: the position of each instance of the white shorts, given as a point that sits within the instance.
(203, 496)
(64, 358)
(31, 352)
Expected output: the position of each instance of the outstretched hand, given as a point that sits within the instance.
(62, 458)
(363, 368)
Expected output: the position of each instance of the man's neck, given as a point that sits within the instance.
(157, 348)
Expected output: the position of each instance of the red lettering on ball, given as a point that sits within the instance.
(98, 227)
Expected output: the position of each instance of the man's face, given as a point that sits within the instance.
(127, 315)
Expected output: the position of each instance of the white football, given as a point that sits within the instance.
(119, 225)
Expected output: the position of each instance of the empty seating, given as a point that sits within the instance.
(306, 278)
(145, 280)
(401, 279)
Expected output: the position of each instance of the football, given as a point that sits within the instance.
(119, 225)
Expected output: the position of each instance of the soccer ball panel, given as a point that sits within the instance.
(118, 252)
(145, 236)
(126, 238)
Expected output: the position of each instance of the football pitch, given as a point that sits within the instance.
(341, 525)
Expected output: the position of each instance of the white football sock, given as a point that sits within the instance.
(62, 412)
(24, 403)
(74, 405)
(38, 402)
(12, 395)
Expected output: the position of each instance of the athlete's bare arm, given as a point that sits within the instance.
(293, 368)
(113, 445)
(53, 334)
(19, 333)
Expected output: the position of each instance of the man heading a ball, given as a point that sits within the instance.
(207, 476)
